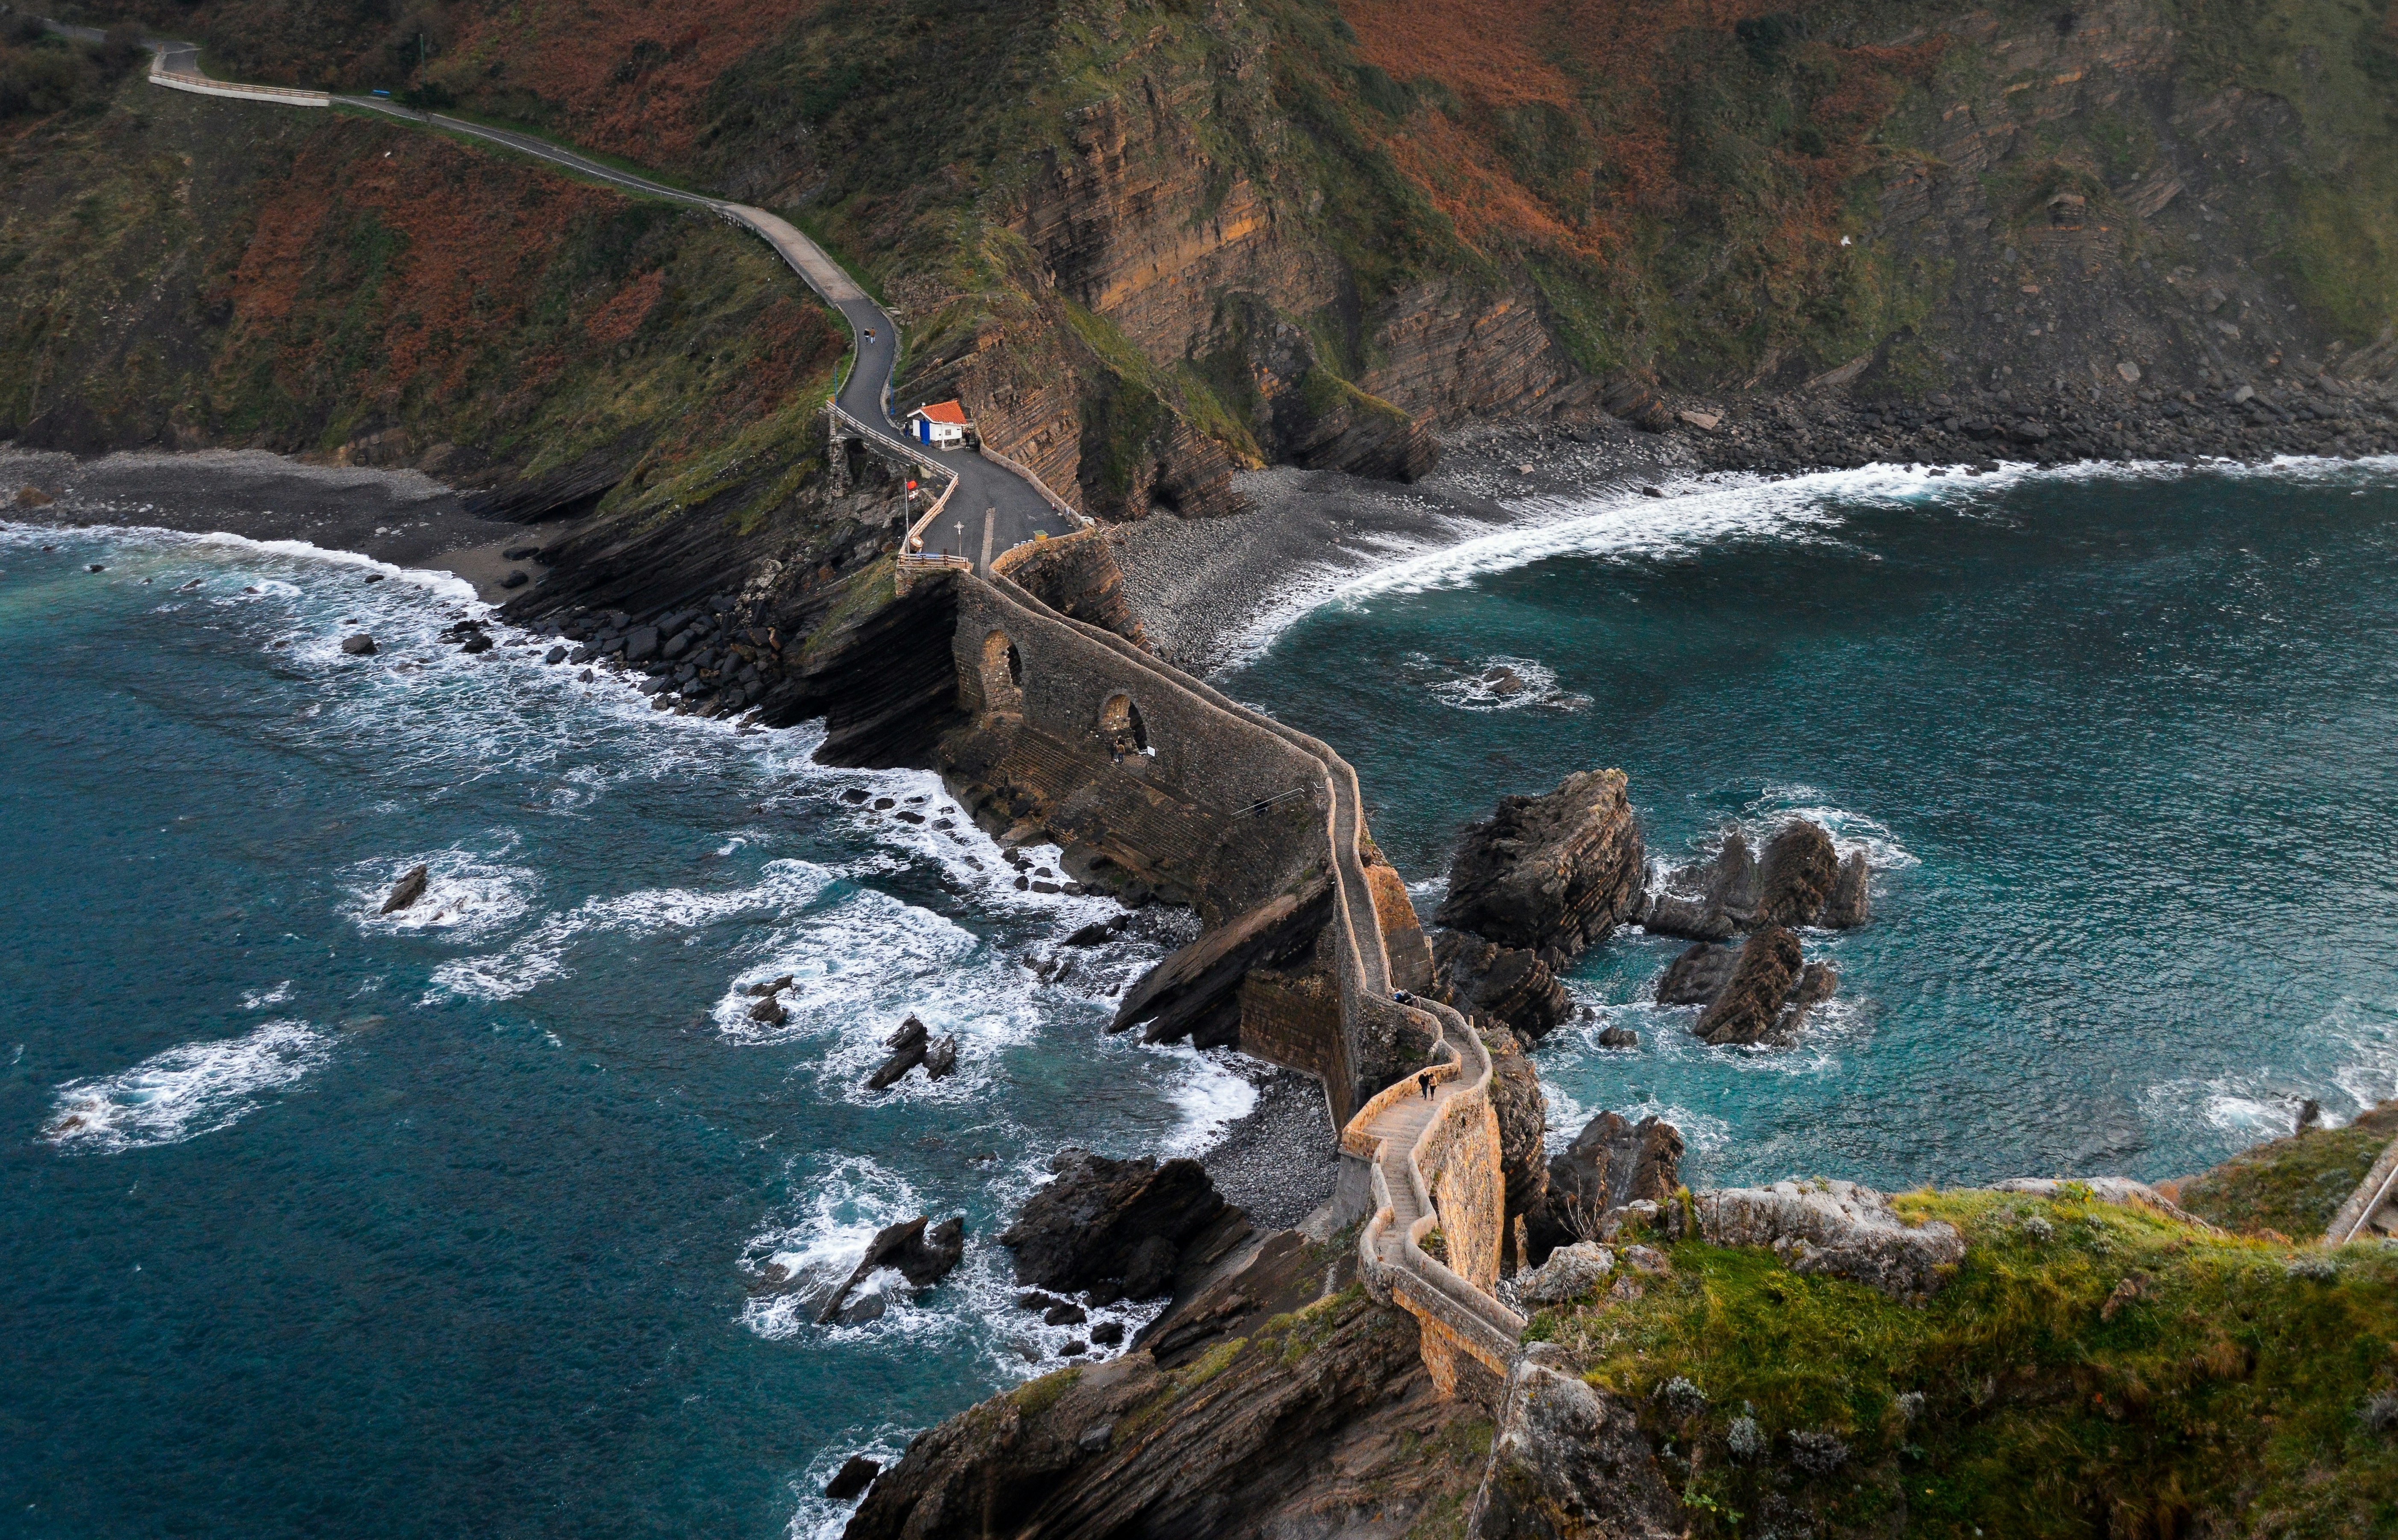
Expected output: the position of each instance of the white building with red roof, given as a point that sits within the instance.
(943, 425)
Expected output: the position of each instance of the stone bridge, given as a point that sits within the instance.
(1256, 824)
(1076, 728)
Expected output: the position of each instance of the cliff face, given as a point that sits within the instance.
(1150, 243)
(1283, 1415)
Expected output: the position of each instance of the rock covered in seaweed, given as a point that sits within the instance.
(1555, 873)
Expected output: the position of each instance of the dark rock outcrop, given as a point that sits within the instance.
(359, 646)
(1698, 975)
(1709, 901)
(1195, 991)
(406, 891)
(923, 1257)
(1506, 986)
(856, 1474)
(1316, 1430)
(1751, 1004)
(1568, 1462)
(1111, 1221)
(1551, 873)
(1523, 1121)
(1797, 875)
(908, 1045)
(1850, 904)
(1612, 1162)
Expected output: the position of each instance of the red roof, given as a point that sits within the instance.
(942, 412)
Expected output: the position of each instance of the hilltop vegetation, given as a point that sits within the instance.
(2092, 1370)
(1150, 241)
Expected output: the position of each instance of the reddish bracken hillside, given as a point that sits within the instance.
(618, 76)
(1577, 117)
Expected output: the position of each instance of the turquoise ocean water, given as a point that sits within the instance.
(321, 1223)
(2122, 749)
(325, 1223)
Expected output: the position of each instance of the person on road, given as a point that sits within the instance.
(1424, 1083)
(869, 336)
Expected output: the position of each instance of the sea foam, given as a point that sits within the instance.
(187, 1090)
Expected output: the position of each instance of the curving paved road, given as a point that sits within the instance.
(993, 510)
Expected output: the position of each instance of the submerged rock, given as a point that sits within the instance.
(408, 889)
(1556, 871)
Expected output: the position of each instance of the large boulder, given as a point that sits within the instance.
(1612, 1162)
(1841, 1229)
(1710, 900)
(1568, 1462)
(1698, 975)
(1093, 1226)
(1850, 905)
(1523, 1121)
(1554, 872)
(1506, 986)
(1797, 874)
(1751, 1005)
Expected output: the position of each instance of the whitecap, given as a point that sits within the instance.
(1499, 683)
(187, 1090)
(259, 1000)
(464, 893)
(782, 885)
(1209, 1097)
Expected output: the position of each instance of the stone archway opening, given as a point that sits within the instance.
(1001, 674)
(1121, 729)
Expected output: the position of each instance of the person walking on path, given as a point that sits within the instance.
(1424, 1083)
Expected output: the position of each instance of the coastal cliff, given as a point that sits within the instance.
(2045, 1358)
(1151, 246)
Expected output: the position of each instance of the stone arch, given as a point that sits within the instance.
(1001, 674)
(1121, 728)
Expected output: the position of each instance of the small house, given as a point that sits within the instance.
(942, 424)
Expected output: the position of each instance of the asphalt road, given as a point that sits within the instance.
(993, 510)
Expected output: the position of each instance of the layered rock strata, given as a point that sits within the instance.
(1552, 874)
(1116, 1227)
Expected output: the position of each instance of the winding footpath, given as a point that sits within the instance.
(992, 505)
